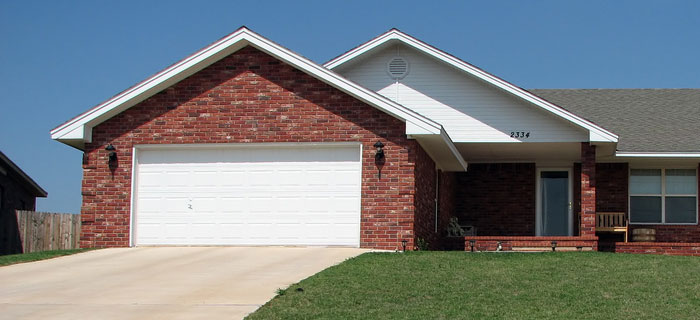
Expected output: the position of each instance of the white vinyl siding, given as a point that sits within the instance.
(254, 195)
(663, 196)
(469, 109)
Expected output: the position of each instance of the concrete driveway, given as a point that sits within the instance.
(158, 282)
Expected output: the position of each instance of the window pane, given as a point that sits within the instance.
(645, 209)
(680, 209)
(681, 181)
(645, 181)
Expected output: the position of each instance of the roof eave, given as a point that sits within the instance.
(80, 127)
(596, 133)
(28, 182)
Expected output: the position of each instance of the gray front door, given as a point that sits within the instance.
(554, 197)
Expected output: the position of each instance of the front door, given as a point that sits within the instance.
(554, 214)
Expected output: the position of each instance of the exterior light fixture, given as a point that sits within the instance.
(403, 244)
(112, 158)
(379, 157)
(471, 245)
(554, 246)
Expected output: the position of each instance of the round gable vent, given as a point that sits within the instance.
(397, 68)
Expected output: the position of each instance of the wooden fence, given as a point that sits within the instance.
(41, 231)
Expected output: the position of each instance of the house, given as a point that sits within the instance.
(248, 143)
(17, 192)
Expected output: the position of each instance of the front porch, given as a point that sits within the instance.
(539, 205)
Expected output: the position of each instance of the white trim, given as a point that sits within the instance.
(663, 196)
(453, 149)
(132, 200)
(359, 201)
(658, 154)
(538, 198)
(596, 133)
(205, 57)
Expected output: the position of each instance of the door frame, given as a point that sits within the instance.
(538, 198)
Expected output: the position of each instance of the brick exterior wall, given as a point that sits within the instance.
(446, 207)
(14, 197)
(425, 176)
(588, 191)
(252, 97)
(497, 198)
(519, 243)
(666, 248)
(611, 187)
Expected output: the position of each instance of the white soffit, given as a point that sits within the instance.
(78, 130)
(596, 133)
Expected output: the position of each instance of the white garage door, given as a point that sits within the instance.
(252, 195)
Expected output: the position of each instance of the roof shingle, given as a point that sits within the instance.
(646, 120)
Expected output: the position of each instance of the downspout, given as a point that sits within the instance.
(437, 197)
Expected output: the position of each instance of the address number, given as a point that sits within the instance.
(520, 134)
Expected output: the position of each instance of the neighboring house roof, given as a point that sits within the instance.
(647, 120)
(597, 133)
(23, 178)
(78, 131)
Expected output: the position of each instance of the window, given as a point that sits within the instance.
(663, 196)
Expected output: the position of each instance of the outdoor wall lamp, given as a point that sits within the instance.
(112, 158)
(379, 156)
(403, 244)
(471, 244)
(554, 246)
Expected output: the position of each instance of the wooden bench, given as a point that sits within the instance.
(611, 222)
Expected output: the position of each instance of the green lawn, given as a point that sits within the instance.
(35, 256)
(459, 285)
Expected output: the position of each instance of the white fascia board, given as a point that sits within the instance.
(150, 86)
(207, 56)
(453, 149)
(657, 154)
(597, 134)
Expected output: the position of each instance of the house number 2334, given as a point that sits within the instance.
(520, 134)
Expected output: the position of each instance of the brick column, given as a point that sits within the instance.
(587, 228)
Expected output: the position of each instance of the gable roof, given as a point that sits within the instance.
(78, 130)
(647, 120)
(596, 133)
(21, 177)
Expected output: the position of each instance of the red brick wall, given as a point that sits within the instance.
(611, 187)
(251, 97)
(425, 176)
(674, 249)
(497, 198)
(588, 190)
(446, 205)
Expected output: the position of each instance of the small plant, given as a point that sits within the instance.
(281, 292)
(422, 244)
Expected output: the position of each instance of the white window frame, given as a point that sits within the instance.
(663, 196)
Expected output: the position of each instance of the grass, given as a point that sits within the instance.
(459, 285)
(36, 256)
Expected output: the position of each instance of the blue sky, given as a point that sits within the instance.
(60, 58)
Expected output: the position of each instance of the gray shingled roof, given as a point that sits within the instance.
(646, 120)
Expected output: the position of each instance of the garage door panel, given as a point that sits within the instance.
(306, 195)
